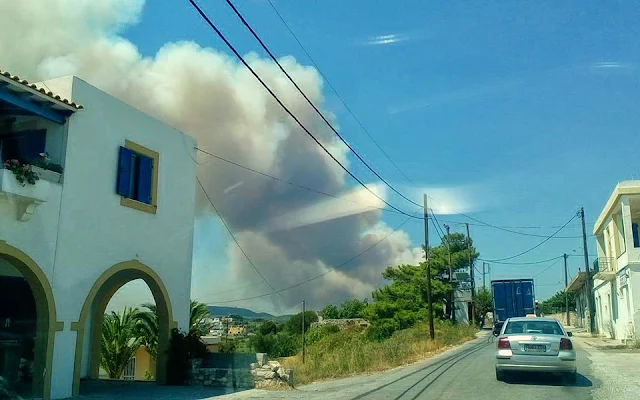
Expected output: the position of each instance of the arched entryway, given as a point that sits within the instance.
(19, 266)
(89, 326)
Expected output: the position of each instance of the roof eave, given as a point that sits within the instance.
(24, 86)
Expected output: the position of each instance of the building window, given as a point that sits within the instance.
(24, 146)
(137, 181)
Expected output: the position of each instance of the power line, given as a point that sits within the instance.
(522, 263)
(321, 275)
(237, 54)
(295, 184)
(439, 230)
(537, 245)
(285, 108)
(546, 269)
(264, 46)
(510, 229)
(233, 236)
(344, 103)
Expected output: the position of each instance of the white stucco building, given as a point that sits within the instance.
(616, 279)
(122, 209)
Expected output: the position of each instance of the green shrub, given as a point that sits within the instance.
(281, 344)
(182, 348)
(315, 334)
(353, 350)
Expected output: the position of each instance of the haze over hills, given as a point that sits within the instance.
(221, 311)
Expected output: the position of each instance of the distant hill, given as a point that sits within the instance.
(220, 311)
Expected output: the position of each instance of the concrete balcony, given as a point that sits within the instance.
(29, 196)
(607, 268)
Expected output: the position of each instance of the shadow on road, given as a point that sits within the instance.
(546, 380)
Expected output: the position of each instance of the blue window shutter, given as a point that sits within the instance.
(634, 229)
(123, 186)
(144, 179)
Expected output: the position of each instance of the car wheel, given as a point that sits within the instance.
(571, 377)
(499, 375)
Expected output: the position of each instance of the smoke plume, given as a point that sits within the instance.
(291, 234)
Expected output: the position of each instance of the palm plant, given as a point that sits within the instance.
(198, 314)
(119, 341)
(148, 327)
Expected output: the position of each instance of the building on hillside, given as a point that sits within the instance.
(236, 330)
(616, 279)
(114, 203)
(578, 285)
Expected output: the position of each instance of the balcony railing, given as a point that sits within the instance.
(606, 268)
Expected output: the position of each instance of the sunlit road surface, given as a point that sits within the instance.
(466, 372)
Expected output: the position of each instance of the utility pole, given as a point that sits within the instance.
(592, 320)
(432, 332)
(303, 341)
(473, 279)
(484, 273)
(566, 294)
(453, 286)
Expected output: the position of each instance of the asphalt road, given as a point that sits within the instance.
(466, 372)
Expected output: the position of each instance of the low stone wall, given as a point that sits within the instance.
(342, 323)
(239, 371)
(220, 377)
(271, 374)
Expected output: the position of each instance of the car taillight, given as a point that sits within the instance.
(503, 343)
(565, 344)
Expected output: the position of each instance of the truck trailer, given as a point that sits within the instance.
(512, 298)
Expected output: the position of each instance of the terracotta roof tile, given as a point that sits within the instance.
(41, 90)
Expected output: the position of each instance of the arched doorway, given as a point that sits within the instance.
(34, 331)
(89, 326)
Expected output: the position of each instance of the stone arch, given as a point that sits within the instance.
(96, 303)
(46, 322)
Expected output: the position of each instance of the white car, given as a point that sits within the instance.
(535, 345)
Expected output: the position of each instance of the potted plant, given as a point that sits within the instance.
(23, 172)
(46, 169)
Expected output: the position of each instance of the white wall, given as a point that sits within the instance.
(634, 291)
(96, 232)
(36, 237)
(82, 230)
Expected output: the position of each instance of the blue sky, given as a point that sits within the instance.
(535, 102)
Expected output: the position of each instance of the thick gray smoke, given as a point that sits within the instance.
(291, 234)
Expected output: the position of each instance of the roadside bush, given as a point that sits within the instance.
(276, 345)
(353, 351)
(228, 346)
(315, 334)
(268, 327)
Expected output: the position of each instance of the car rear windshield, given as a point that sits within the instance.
(540, 327)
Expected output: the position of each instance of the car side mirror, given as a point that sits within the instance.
(569, 334)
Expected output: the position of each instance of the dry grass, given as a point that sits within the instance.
(350, 352)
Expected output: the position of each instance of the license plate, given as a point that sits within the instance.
(536, 348)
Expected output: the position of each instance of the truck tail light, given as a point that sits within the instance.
(565, 344)
(503, 343)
